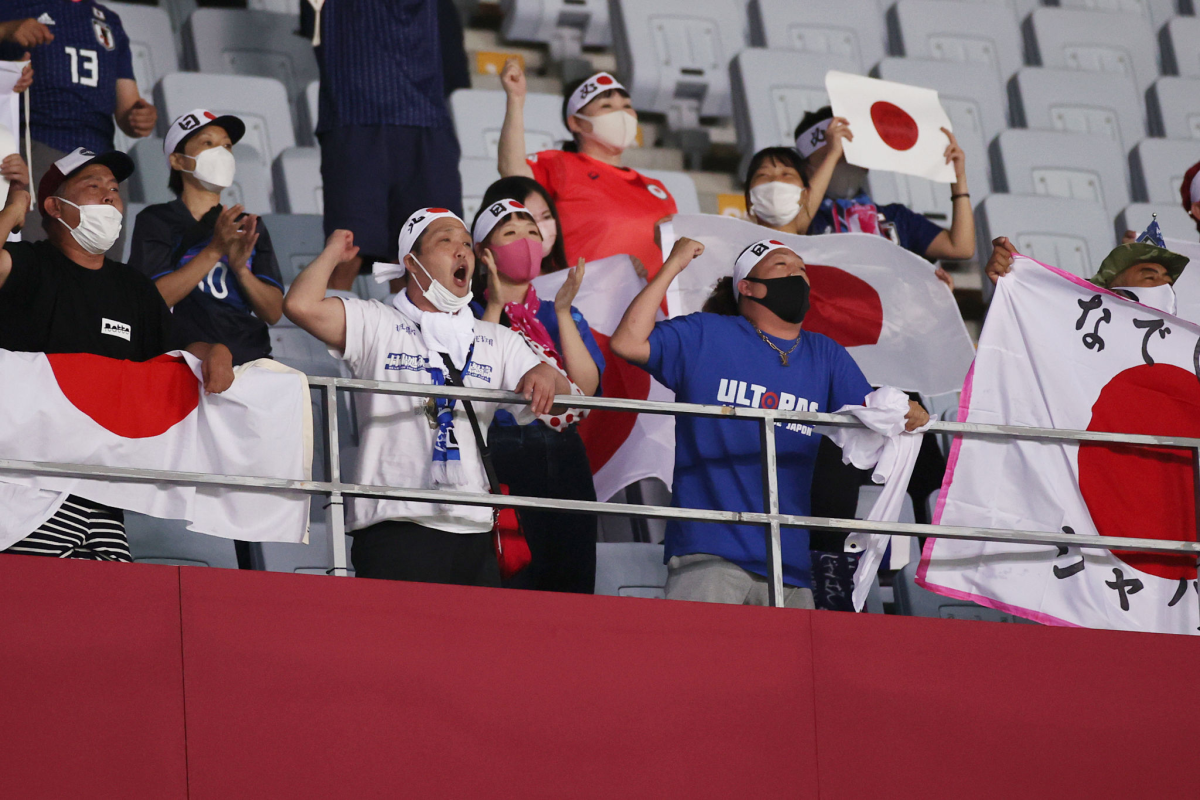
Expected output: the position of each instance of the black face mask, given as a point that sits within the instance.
(787, 298)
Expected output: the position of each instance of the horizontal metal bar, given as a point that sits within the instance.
(442, 497)
(744, 412)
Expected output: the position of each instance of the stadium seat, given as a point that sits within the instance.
(227, 41)
(1158, 12)
(1174, 106)
(168, 541)
(297, 239)
(479, 114)
(148, 183)
(630, 569)
(1181, 46)
(151, 43)
(124, 242)
(1093, 41)
(674, 55)
(297, 173)
(477, 174)
(946, 30)
(771, 91)
(1158, 165)
(1174, 221)
(546, 20)
(1078, 102)
(179, 11)
(314, 558)
(312, 105)
(851, 28)
(916, 601)
(1071, 165)
(680, 185)
(1073, 235)
(275, 6)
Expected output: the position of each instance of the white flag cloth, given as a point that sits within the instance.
(1059, 352)
(896, 127)
(899, 323)
(10, 120)
(1187, 288)
(623, 447)
(85, 409)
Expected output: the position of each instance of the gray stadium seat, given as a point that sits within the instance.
(1181, 46)
(179, 11)
(312, 104)
(229, 41)
(674, 55)
(1174, 221)
(916, 601)
(680, 185)
(151, 43)
(297, 173)
(168, 541)
(1094, 41)
(297, 239)
(547, 20)
(120, 250)
(477, 175)
(1174, 106)
(946, 30)
(1078, 102)
(479, 114)
(1158, 166)
(852, 28)
(1156, 11)
(1071, 165)
(148, 183)
(314, 558)
(630, 569)
(275, 6)
(771, 91)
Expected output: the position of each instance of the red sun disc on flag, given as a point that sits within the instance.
(895, 126)
(843, 307)
(604, 432)
(1141, 492)
(131, 399)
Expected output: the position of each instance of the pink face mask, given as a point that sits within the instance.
(519, 261)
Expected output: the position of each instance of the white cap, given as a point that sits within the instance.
(1194, 190)
(597, 84)
(412, 230)
(490, 217)
(811, 139)
(187, 124)
(750, 257)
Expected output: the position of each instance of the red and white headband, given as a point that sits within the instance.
(412, 230)
(589, 89)
(750, 257)
(811, 139)
(490, 217)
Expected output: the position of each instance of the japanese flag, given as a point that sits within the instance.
(896, 127)
(1059, 352)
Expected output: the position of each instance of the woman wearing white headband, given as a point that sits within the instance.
(780, 194)
(606, 209)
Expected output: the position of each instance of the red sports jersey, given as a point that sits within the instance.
(604, 210)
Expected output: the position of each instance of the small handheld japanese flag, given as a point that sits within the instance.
(896, 127)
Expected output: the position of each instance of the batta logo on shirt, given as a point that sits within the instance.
(734, 392)
(110, 327)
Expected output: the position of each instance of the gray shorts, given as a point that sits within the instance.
(712, 579)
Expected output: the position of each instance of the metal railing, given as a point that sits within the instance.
(771, 520)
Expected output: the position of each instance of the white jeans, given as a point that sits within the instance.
(712, 579)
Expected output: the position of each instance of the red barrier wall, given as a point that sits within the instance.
(299, 686)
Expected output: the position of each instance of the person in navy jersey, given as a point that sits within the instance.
(759, 357)
(213, 265)
(547, 457)
(84, 79)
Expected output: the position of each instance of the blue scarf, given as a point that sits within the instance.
(447, 460)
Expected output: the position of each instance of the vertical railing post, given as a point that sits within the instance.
(1196, 484)
(771, 504)
(335, 513)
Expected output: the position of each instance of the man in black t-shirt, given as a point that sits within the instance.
(62, 295)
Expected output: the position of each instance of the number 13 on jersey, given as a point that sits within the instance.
(85, 66)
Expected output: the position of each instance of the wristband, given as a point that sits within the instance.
(954, 197)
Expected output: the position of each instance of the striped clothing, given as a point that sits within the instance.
(79, 529)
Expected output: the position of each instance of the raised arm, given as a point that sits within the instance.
(16, 205)
(958, 243)
(631, 340)
(511, 159)
(306, 303)
(581, 367)
(836, 135)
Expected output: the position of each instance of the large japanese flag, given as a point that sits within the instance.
(879, 301)
(896, 127)
(91, 410)
(1059, 352)
(623, 447)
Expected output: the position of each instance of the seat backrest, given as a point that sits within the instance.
(539, 20)
(678, 50)
(947, 30)
(1079, 102)
(851, 28)
(297, 239)
(1156, 11)
(151, 43)
(477, 174)
(298, 184)
(232, 41)
(262, 103)
(680, 185)
(479, 114)
(1073, 235)
(1070, 165)
(168, 541)
(120, 250)
(1181, 46)
(148, 183)
(630, 569)
(1172, 219)
(1158, 165)
(1094, 41)
(771, 91)
(312, 104)
(1174, 106)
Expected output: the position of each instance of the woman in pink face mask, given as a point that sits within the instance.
(546, 458)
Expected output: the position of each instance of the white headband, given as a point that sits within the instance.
(750, 257)
(813, 138)
(600, 82)
(1194, 191)
(412, 230)
(490, 217)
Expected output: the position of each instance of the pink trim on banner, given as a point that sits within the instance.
(958, 594)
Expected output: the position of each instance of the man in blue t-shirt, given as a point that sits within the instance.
(758, 357)
(83, 79)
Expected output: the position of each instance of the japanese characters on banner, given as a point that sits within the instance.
(1059, 352)
(623, 447)
(896, 127)
(879, 301)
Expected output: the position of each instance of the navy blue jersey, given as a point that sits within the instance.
(74, 90)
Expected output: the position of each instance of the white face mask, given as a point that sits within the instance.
(847, 182)
(775, 203)
(215, 168)
(549, 231)
(442, 298)
(617, 129)
(1158, 297)
(99, 226)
